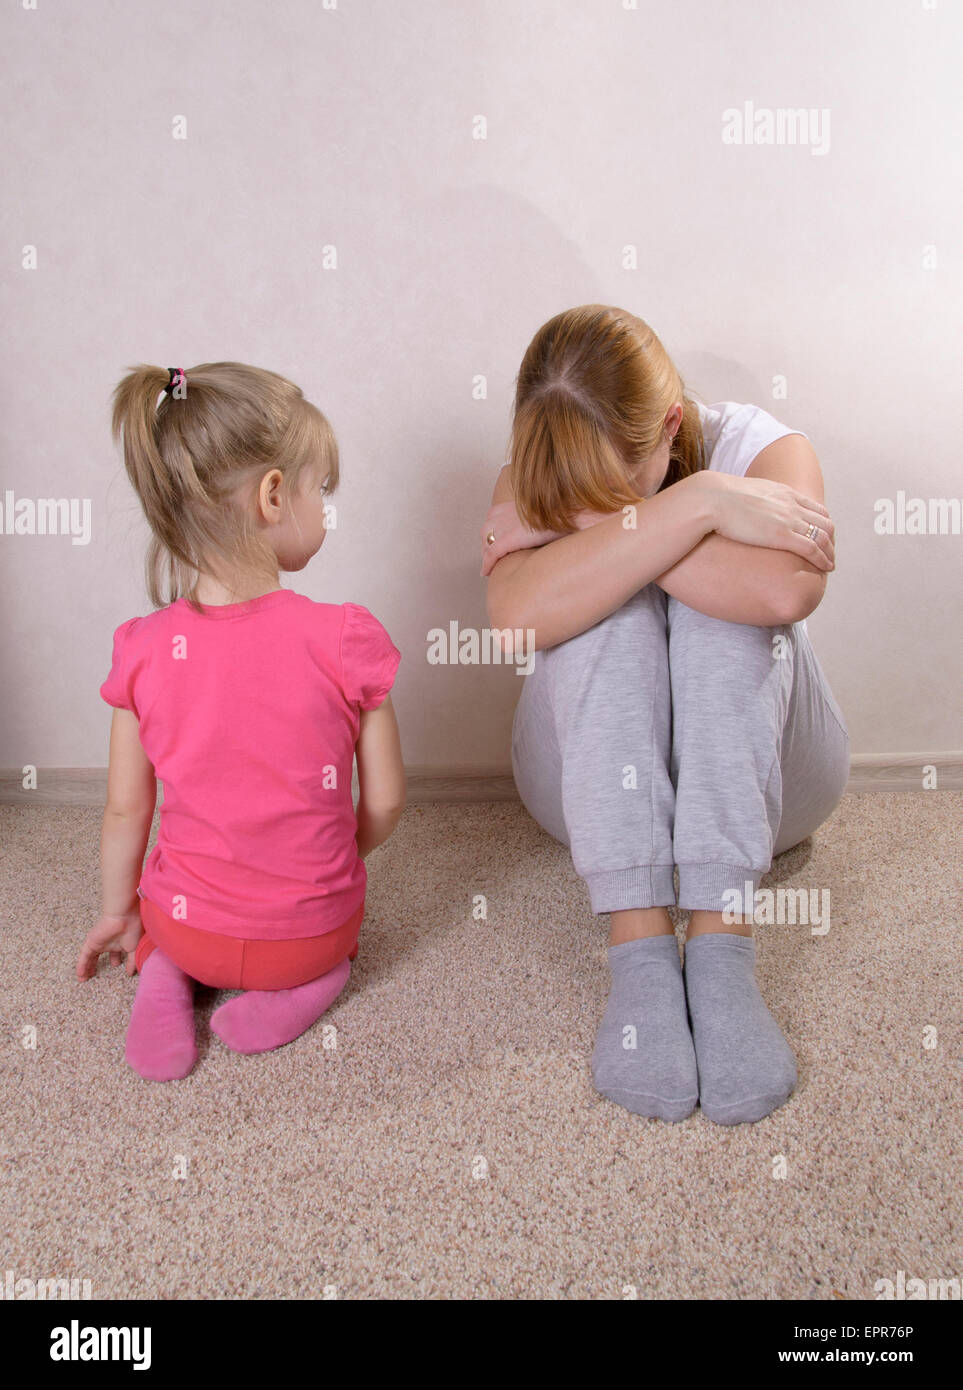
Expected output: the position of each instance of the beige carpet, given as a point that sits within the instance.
(452, 1145)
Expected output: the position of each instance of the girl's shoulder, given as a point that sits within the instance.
(132, 629)
(353, 619)
(363, 642)
(369, 658)
(285, 607)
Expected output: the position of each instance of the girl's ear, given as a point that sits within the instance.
(269, 496)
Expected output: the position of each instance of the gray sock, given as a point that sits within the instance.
(746, 1067)
(644, 1059)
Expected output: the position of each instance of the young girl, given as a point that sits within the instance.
(666, 555)
(249, 702)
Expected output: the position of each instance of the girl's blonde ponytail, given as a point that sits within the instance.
(193, 462)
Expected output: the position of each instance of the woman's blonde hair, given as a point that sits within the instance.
(592, 394)
(193, 463)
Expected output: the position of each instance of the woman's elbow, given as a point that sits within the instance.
(797, 599)
(502, 616)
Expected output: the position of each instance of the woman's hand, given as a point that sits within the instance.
(511, 534)
(758, 511)
(113, 934)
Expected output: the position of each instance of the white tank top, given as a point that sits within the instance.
(735, 434)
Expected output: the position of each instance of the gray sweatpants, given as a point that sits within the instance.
(661, 737)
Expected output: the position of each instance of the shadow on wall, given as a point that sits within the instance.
(454, 287)
(465, 278)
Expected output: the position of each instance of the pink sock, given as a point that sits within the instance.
(261, 1019)
(160, 1037)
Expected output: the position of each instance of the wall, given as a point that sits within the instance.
(820, 280)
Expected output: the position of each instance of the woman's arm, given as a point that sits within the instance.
(571, 584)
(574, 582)
(747, 583)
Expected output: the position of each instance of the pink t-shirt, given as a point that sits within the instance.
(250, 716)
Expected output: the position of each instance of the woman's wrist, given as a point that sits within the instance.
(703, 490)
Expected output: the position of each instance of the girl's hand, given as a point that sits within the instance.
(758, 511)
(113, 934)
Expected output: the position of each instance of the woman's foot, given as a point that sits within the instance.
(746, 1067)
(160, 1036)
(644, 1058)
(261, 1019)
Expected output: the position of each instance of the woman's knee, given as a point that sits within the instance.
(616, 643)
(733, 665)
(719, 635)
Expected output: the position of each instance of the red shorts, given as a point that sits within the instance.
(228, 962)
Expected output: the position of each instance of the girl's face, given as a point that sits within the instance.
(303, 535)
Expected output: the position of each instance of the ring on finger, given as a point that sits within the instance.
(813, 531)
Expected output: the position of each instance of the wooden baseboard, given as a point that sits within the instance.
(907, 772)
(87, 786)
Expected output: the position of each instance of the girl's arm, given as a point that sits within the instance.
(747, 583)
(131, 798)
(381, 777)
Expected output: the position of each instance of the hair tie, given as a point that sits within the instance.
(178, 376)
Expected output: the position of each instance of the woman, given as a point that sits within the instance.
(664, 555)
